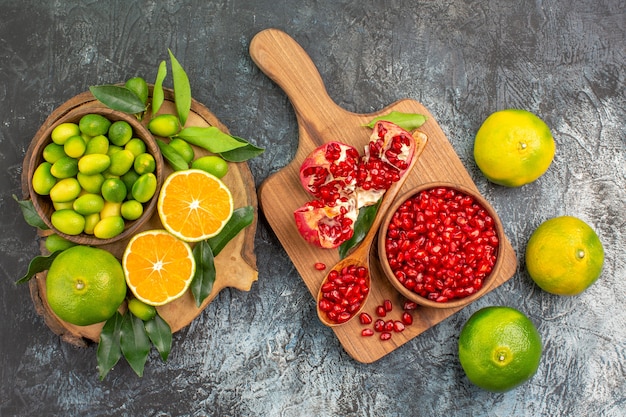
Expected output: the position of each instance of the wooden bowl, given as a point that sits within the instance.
(43, 205)
(410, 293)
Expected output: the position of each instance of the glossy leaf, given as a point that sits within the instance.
(361, 227)
(30, 214)
(210, 138)
(157, 91)
(38, 264)
(246, 152)
(241, 218)
(160, 334)
(175, 159)
(202, 282)
(407, 121)
(118, 98)
(182, 89)
(109, 351)
(134, 342)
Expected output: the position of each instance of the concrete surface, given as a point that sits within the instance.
(263, 352)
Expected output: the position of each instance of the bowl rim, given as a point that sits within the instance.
(43, 137)
(384, 264)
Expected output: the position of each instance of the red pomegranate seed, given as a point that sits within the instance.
(365, 318)
(380, 311)
(407, 318)
(320, 266)
(409, 305)
(379, 325)
(398, 326)
(367, 332)
(388, 306)
(389, 325)
(385, 336)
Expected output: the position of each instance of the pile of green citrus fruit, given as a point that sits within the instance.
(499, 347)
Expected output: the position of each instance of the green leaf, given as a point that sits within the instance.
(407, 121)
(109, 351)
(175, 159)
(134, 342)
(361, 227)
(157, 90)
(182, 89)
(30, 214)
(118, 98)
(210, 138)
(242, 154)
(160, 334)
(241, 218)
(38, 264)
(202, 282)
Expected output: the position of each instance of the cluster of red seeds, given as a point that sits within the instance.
(389, 326)
(441, 244)
(344, 292)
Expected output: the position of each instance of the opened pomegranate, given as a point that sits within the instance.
(342, 181)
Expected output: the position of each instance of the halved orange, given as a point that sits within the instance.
(158, 266)
(194, 205)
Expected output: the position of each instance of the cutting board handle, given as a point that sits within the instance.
(286, 63)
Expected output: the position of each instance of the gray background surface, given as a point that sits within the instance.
(264, 352)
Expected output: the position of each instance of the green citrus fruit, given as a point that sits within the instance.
(513, 147)
(164, 125)
(139, 86)
(68, 221)
(144, 163)
(136, 146)
(120, 132)
(43, 180)
(142, 310)
(499, 348)
(212, 164)
(94, 124)
(564, 256)
(75, 146)
(65, 167)
(63, 132)
(97, 144)
(85, 285)
(55, 243)
(113, 190)
(121, 162)
(109, 227)
(183, 148)
(131, 209)
(93, 163)
(53, 152)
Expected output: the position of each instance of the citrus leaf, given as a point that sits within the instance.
(30, 214)
(407, 121)
(210, 138)
(182, 89)
(38, 264)
(202, 282)
(134, 342)
(109, 351)
(175, 159)
(160, 334)
(118, 98)
(246, 152)
(241, 218)
(362, 225)
(157, 90)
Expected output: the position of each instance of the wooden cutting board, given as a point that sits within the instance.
(235, 264)
(320, 120)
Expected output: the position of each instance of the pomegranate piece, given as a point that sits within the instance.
(344, 292)
(441, 244)
(365, 318)
(326, 226)
(320, 266)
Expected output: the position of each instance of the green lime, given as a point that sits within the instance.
(43, 180)
(68, 221)
(94, 124)
(499, 348)
(111, 209)
(91, 220)
(145, 187)
(121, 162)
(164, 125)
(120, 132)
(90, 183)
(131, 209)
(55, 243)
(109, 227)
(65, 190)
(136, 146)
(97, 144)
(62, 205)
(75, 146)
(142, 310)
(113, 190)
(85, 285)
(144, 163)
(93, 163)
(138, 86)
(183, 148)
(212, 164)
(53, 152)
(63, 132)
(65, 167)
(88, 204)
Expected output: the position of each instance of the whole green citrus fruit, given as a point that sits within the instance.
(499, 348)
(85, 285)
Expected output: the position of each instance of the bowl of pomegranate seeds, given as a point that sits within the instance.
(439, 243)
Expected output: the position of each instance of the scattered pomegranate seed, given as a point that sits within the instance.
(385, 336)
(398, 326)
(441, 244)
(365, 318)
(388, 306)
(407, 318)
(367, 332)
(389, 325)
(409, 305)
(344, 292)
(379, 325)
(380, 311)
(320, 266)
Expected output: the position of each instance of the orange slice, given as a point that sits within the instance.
(194, 205)
(158, 266)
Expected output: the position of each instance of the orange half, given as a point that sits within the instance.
(158, 266)
(194, 205)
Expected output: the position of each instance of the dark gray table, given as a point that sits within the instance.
(263, 352)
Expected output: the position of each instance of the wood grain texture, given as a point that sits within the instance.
(320, 120)
(235, 265)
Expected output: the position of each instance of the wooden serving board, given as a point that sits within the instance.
(320, 120)
(235, 264)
